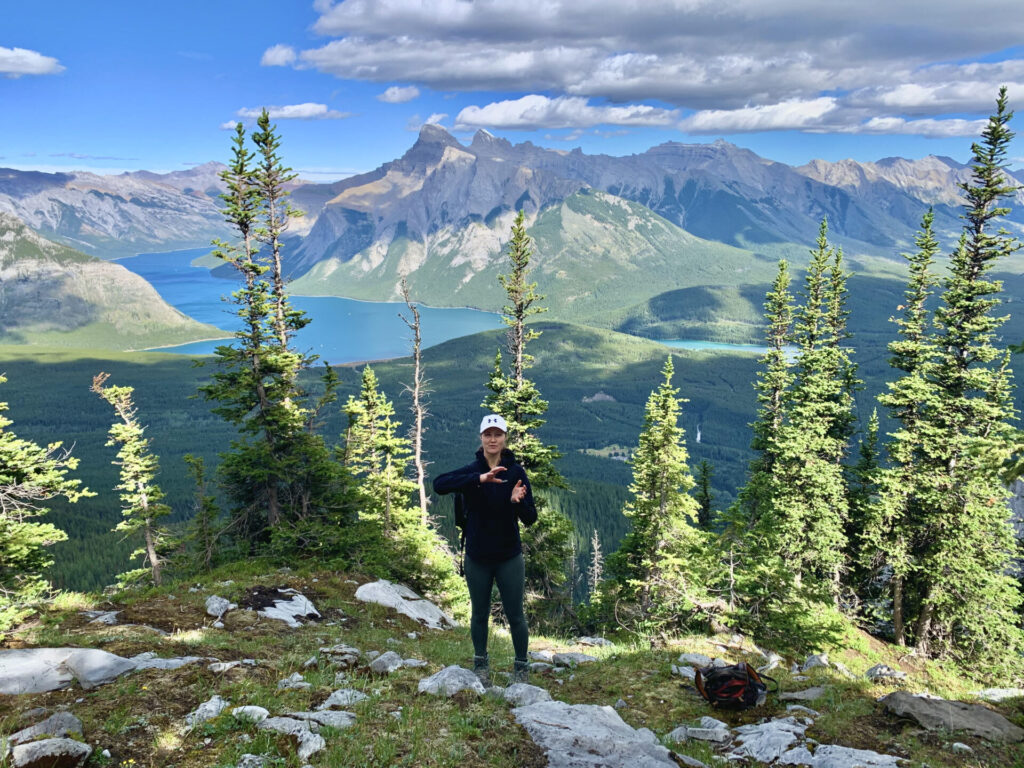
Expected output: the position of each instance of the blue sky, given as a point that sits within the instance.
(113, 86)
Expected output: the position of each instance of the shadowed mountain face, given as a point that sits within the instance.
(51, 293)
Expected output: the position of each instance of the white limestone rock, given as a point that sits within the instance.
(834, 756)
(343, 698)
(50, 753)
(996, 695)
(684, 671)
(572, 659)
(251, 712)
(150, 660)
(294, 681)
(809, 694)
(595, 641)
(37, 670)
(800, 709)
(414, 663)
(291, 610)
(405, 601)
(766, 742)
(208, 710)
(341, 655)
(302, 731)
(546, 657)
(217, 606)
(108, 618)
(60, 724)
(815, 660)
(710, 722)
(959, 746)
(524, 694)
(885, 672)
(695, 659)
(590, 736)
(386, 663)
(331, 718)
(450, 681)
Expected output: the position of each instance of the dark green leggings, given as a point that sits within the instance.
(511, 578)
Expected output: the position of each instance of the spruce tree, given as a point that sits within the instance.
(963, 554)
(140, 495)
(892, 525)
(809, 489)
(379, 458)
(862, 577)
(657, 576)
(279, 475)
(30, 475)
(547, 542)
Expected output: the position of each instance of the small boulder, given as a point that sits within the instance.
(60, 724)
(343, 698)
(940, 714)
(524, 694)
(594, 641)
(547, 657)
(765, 742)
(999, 694)
(252, 713)
(572, 659)
(959, 746)
(809, 694)
(886, 673)
(294, 681)
(405, 601)
(815, 660)
(386, 663)
(309, 742)
(684, 671)
(50, 753)
(414, 663)
(450, 681)
(341, 655)
(695, 659)
(217, 606)
(330, 718)
(206, 711)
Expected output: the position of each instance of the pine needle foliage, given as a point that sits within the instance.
(141, 497)
(657, 576)
(30, 474)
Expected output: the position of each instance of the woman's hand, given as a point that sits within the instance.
(492, 476)
(518, 492)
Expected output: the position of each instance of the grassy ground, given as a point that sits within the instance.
(139, 717)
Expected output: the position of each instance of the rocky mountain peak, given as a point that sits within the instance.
(485, 142)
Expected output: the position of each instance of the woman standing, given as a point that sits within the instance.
(497, 496)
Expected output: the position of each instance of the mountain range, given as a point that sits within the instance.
(612, 234)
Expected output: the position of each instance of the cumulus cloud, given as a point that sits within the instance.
(742, 62)
(278, 56)
(15, 62)
(397, 94)
(535, 111)
(934, 129)
(307, 111)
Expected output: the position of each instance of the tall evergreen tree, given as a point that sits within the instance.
(963, 554)
(512, 394)
(140, 494)
(863, 575)
(379, 458)
(657, 576)
(891, 526)
(809, 490)
(278, 475)
(30, 475)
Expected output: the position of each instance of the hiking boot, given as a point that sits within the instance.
(482, 670)
(521, 672)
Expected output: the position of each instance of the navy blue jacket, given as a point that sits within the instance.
(492, 527)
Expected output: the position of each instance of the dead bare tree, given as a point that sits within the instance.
(419, 392)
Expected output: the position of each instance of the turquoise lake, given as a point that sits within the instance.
(342, 330)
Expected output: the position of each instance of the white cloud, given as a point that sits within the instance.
(535, 111)
(788, 115)
(436, 118)
(15, 62)
(397, 94)
(739, 64)
(278, 56)
(307, 111)
(229, 125)
(934, 129)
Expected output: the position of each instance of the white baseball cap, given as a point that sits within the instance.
(493, 420)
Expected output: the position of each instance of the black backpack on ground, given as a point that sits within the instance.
(734, 687)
